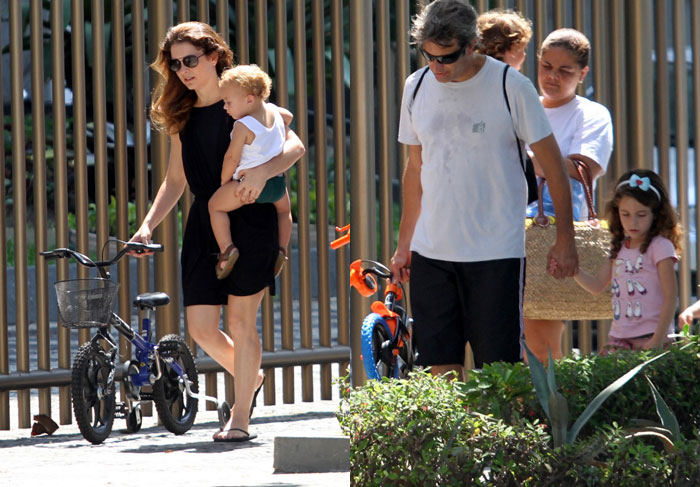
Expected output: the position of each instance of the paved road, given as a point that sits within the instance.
(154, 456)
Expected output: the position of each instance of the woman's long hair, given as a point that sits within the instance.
(665, 222)
(172, 99)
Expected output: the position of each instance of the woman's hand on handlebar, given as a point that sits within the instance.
(142, 235)
(401, 266)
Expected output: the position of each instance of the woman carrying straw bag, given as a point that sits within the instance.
(583, 129)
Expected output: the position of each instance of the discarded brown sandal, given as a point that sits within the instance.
(281, 260)
(43, 425)
(229, 257)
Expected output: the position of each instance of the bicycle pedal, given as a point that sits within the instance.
(168, 347)
(121, 410)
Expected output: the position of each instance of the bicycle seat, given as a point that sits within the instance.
(151, 300)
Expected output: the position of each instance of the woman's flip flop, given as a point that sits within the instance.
(255, 398)
(236, 439)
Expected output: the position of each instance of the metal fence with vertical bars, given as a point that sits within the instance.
(81, 161)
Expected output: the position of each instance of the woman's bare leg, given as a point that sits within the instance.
(203, 324)
(543, 335)
(242, 317)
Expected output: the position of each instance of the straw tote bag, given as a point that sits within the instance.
(547, 298)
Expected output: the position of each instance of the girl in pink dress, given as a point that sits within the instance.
(645, 238)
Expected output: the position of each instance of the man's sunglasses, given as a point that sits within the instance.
(445, 58)
(189, 61)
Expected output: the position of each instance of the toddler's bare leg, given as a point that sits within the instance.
(221, 202)
(284, 220)
(284, 229)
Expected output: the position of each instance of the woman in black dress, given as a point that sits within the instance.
(189, 107)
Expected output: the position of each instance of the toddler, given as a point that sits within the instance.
(258, 135)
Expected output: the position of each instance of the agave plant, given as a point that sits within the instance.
(557, 409)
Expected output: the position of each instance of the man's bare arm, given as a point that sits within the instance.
(563, 252)
(412, 192)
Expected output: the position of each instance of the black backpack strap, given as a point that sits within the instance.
(526, 164)
(505, 95)
(415, 90)
(420, 80)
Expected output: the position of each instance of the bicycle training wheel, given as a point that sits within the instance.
(92, 393)
(176, 409)
(134, 420)
(378, 360)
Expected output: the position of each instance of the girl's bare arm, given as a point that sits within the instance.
(669, 288)
(595, 284)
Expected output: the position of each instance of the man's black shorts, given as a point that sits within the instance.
(458, 302)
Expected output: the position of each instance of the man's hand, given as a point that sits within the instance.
(401, 266)
(563, 259)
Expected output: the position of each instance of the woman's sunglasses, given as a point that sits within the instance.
(189, 61)
(445, 58)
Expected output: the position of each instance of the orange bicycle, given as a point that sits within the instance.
(387, 339)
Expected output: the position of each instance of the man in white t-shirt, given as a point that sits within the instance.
(462, 235)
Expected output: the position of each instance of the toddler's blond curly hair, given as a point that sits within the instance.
(249, 77)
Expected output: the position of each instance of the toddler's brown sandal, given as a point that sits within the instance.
(230, 256)
(281, 260)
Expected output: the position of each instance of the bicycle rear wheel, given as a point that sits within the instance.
(176, 409)
(93, 392)
(377, 358)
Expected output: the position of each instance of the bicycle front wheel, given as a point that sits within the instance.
(176, 409)
(378, 360)
(92, 392)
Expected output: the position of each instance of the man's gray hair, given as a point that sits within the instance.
(444, 21)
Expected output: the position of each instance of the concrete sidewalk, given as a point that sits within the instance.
(157, 457)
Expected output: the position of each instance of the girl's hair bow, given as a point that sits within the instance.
(640, 183)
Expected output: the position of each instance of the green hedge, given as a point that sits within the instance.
(506, 390)
(491, 430)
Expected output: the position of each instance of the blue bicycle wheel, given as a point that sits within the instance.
(375, 331)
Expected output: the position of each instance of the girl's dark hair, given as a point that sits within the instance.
(172, 99)
(665, 221)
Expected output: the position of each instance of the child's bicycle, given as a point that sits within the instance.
(387, 340)
(168, 366)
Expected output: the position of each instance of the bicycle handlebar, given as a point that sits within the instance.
(362, 279)
(343, 239)
(378, 269)
(83, 259)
